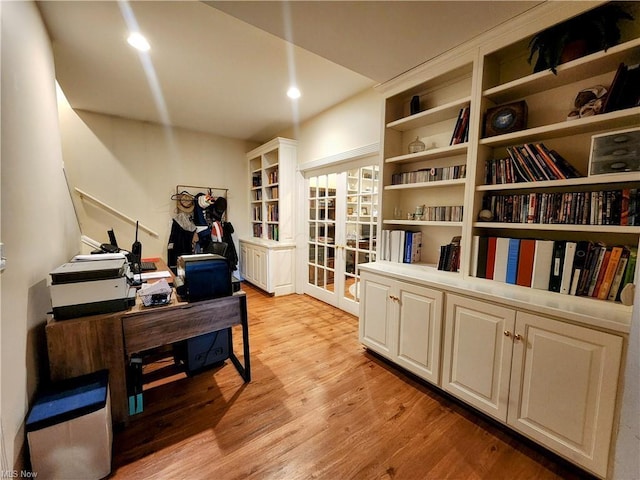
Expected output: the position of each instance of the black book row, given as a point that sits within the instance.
(610, 207)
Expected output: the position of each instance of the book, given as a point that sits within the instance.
(589, 266)
(456, 128)
(615, 89)
(500, 263)
(569, 169)
(582, 250)
(491, 257)
(603, 291)
(408, 245)
(512, 260)
(416, 247)
(525, 262)
(529, 150)
(625, 89)
(630, 272)
(475, 240)
(619, 275)
(542, 264)
(395, 245)
(540, 150)
(483, 245)
(460, 131)
(598, 271)
(557, 264)
(567, 267)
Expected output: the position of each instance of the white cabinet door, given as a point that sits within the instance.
(259, 262)
(563, 388)
(418, 330)
(477, 354)
(377, 310)
(244, 261)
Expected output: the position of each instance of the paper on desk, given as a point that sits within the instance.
(155, 274)
(160, 287)
(100, 256)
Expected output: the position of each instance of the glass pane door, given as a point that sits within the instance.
(322, 231)
(361, 226)
(342, 222)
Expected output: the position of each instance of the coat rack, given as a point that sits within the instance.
(185, 195)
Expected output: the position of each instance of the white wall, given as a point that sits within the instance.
(39, 228)
(134, 167)
(347, 126)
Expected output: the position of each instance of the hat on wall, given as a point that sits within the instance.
(185, 202)
(219, 207)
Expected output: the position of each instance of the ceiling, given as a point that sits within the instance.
(224, 67)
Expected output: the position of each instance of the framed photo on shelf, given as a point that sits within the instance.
(364, 211)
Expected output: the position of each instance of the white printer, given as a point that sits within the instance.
(92, 285)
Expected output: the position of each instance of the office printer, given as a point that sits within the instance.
(83, 287)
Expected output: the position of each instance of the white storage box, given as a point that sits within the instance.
(69, 430)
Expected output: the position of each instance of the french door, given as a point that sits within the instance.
(342, 224)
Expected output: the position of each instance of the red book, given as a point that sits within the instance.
(601, 272)
(491, 257)
(525, 262)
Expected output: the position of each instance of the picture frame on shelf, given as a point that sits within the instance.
(507, 118)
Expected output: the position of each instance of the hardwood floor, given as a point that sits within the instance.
(319, 407)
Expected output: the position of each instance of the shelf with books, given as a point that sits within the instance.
(583, 268)
(433, 115)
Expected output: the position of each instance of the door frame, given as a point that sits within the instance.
(362, 156)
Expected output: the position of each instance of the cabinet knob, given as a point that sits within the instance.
(517, 336)
(507, 333)
(394, 298)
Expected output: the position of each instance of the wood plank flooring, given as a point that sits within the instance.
(319, 407)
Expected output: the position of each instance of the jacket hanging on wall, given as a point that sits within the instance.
(180, 239)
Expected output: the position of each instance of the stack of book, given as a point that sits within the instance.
(429, 175)
(580, 268)
(461, 130)
(443, 214)
(609, 207)
(449, 260)
(402, 246)
(531, 162)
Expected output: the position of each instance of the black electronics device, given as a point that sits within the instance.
(208, 350)
(112, 246)
(136, 249)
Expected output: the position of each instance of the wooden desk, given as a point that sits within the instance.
(87, 344)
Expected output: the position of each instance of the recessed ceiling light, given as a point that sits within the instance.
(293, 93)
(137, 40)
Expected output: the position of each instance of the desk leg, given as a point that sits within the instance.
(244, 371)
